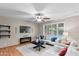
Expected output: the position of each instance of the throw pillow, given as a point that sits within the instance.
(63, 51)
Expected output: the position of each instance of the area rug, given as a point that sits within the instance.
(28, 50)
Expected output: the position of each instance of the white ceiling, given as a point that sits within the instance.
(27, 10)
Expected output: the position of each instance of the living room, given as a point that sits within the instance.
(23, 24)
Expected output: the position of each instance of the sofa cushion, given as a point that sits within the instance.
(54, 39)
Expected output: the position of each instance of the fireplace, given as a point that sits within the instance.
(25, 40)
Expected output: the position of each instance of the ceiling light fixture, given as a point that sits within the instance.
(39, 17)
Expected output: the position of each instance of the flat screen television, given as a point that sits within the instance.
(25, 29)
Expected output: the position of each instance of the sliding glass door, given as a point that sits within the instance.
(60, 29)
(51, 29)
(54, 29)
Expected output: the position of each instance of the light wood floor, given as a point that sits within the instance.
(9, 51)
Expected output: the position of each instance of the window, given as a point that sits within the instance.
(60, 29)
(54, 29)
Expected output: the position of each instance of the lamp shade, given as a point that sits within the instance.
(65, 33)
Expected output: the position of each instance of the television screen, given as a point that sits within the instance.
(25, 29)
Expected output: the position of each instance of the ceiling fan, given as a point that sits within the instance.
(39, 17)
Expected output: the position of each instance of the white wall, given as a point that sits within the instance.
(72, 27)
(40, 29)
(15, 35)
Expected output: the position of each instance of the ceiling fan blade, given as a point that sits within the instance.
(46, 18)
(30, 18)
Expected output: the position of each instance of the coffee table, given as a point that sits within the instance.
(38, 44)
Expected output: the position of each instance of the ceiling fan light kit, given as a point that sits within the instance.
(39, 20)
(40, 17)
